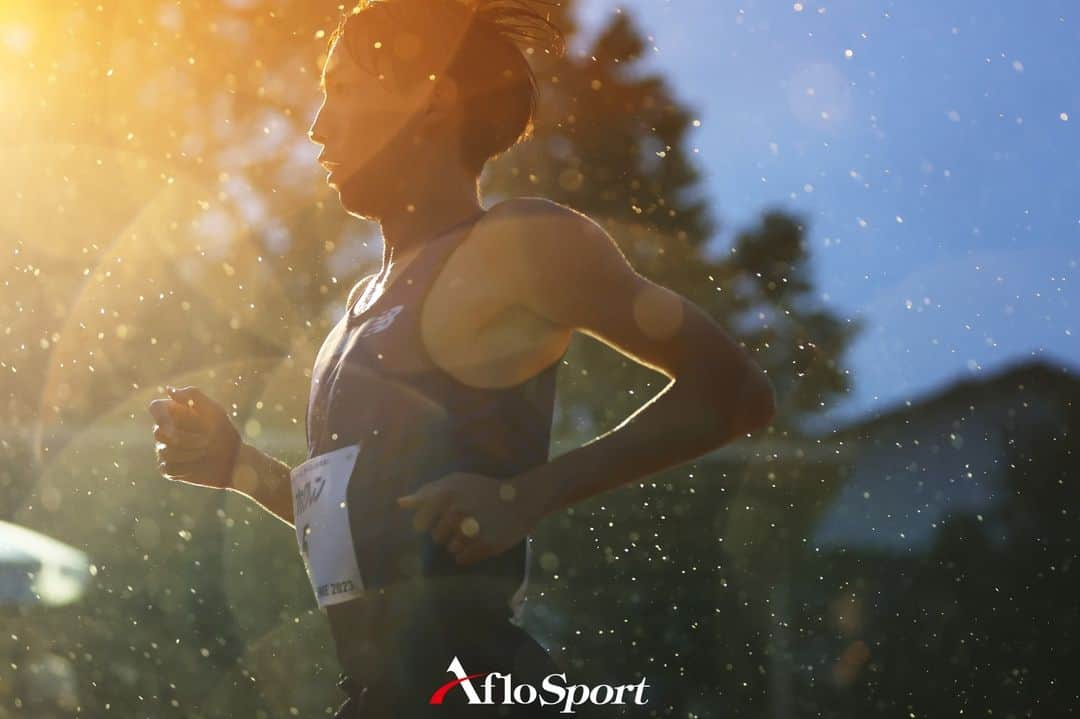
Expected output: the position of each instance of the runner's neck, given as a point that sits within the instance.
(396, 268)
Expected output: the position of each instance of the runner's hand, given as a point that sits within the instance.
(475, 515)
(195, 441)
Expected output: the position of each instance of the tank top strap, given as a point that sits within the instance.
(368, 282)
(417, 274)
(434, 255)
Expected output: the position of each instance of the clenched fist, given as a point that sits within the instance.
(195, 440)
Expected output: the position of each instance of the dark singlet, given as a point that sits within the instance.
(374, 382)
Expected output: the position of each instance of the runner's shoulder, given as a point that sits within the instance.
(538, 226)
(554, 237)
(537, 208)
(548, 252)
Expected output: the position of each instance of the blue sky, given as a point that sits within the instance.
(932, 147)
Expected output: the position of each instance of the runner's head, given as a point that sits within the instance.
(417, 89)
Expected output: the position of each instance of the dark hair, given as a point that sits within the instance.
(479, 44)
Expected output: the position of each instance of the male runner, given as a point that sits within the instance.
(430, 411)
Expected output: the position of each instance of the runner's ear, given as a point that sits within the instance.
(441, 102)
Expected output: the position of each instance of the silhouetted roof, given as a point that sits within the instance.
(1038, 377)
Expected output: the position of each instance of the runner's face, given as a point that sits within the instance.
(363, 124)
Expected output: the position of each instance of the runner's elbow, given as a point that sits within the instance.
(747, 406)
(759, 403)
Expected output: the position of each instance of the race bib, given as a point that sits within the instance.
(321, 516)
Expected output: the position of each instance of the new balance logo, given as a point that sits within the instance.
(376, 324)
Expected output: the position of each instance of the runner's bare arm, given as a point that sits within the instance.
(265, 480)
(571, 272)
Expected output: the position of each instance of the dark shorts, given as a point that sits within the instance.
(419, 664)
